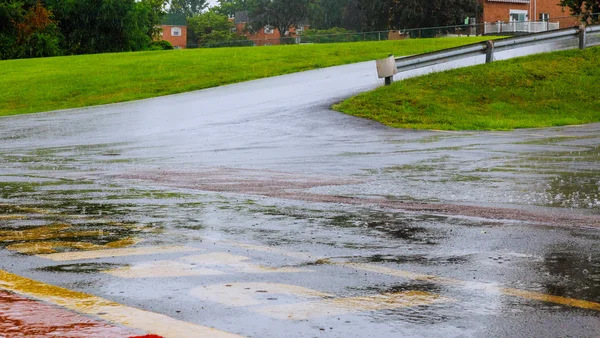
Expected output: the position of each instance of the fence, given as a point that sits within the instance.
(520, 27)
(490, 28)
(559, 39)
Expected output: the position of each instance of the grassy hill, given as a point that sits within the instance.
(544, 90)
(36, 85)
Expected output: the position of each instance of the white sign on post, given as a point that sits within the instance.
(386, 67)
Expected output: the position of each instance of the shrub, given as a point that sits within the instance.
(160, 45)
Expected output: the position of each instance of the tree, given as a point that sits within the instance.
(399, 14)
(281, 14)
(587, 9)
(154, 10)
(352, 18)
(188, 7)
(210, 28)
(230, 7)
(98, 26)
(375, 14)
(326, 14)
(27, 29)
(433, 13)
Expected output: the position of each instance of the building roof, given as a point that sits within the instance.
(174, 19)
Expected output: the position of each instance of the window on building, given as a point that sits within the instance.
(518, 15)
(176, 31)
(269, 29)
(544, 16)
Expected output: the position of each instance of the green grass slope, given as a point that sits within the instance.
(544, 90)
(36, 85)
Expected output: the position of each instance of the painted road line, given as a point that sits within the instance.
(247, 294)
(343, 306)
(49, 247)
(583, 304)
(75, 256)
(299, 303)
(24, 317)
(161, 269)
(212, 264)
(479, 286)
(12, 217)
(149, 322)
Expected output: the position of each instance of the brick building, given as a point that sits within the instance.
(521, 11)
(174, 30)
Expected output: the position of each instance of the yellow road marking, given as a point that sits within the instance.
(54, 231)
(26, 209)
(48, 247)
(342, 306)
(11, 217)
(51, 238)
(302, 303)
(74, 256)
(487, 287)
(480, 286)
(236, 263)
(191, 267)
(149, 322)
(552, 299)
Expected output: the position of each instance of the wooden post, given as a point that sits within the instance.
(582, 37)
(489, 51)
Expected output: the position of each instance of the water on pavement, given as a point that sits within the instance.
(256, 210)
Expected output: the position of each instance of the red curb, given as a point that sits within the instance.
(24, 317)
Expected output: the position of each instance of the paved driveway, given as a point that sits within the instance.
(256, 210)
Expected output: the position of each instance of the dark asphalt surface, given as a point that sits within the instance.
(299, 221)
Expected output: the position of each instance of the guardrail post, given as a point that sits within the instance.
(489, 51)
(582, 37)
(389, 79)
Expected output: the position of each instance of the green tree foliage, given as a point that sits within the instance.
(96, 26)
(588, 9)
(34, 28)
(353, 16)
(188, 7)
(280, 14)
(399, 14)
(160, 45)
(434, 13)
(326, 14)
(230, 7)
(154, 10)
(375, 15)
(211, 28)
(27, 29)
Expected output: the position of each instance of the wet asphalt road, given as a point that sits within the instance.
(267, 214)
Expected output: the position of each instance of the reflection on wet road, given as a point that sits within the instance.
(255, 210)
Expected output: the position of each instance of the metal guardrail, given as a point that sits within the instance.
(488, 48)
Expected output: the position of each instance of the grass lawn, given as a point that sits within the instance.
(553, 89)
(35, 85)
